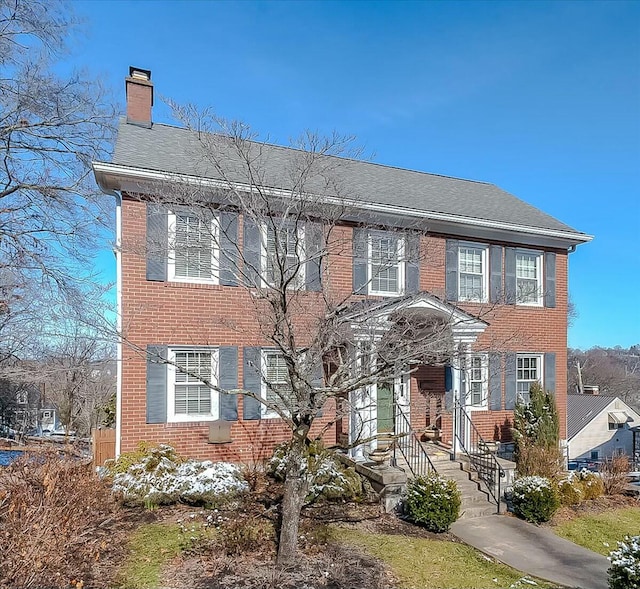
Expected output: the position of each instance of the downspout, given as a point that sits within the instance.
(118, 253)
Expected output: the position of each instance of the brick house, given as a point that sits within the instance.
(496, 269)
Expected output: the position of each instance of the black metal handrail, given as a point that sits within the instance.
(408, 444)
(481, 457)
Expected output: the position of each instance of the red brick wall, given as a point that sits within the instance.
(198, 314)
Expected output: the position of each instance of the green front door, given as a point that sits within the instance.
(385, 407)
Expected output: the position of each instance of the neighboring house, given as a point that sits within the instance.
(599, 427)
(495, 269)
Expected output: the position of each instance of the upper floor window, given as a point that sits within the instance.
(22, 398)
(193, 251)
(529, 370)
(276, 385)
(472, 273)
(529, 278)
(385, 263)
(283, 256)
(190, 396)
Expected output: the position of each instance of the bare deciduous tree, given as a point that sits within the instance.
(328, 343)
(51, 128)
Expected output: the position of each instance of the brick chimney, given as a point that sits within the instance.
(139, 89)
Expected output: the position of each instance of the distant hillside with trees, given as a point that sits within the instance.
(615, 370)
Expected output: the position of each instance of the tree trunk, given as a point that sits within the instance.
(295, 491)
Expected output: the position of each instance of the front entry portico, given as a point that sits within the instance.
(374, 408)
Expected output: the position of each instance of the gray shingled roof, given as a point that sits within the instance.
(175, 150)
(581, 409)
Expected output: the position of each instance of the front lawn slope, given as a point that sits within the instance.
(433, 564)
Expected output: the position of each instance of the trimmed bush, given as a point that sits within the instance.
(143, 451)
(433, 502)
(161, 477)
(535, 499)
(327, 477)
(570, 491)
(624, 572)
(591, 483)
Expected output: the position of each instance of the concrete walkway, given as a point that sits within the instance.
(535, 551)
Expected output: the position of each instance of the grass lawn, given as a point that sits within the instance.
(150, 547)
(434, 564)
(601, 532)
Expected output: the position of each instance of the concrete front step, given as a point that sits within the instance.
(469, 511)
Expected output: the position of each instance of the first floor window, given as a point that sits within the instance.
(193, 254)
(386, 268)
(472, 272)
(529, 370)
(477, 383)
(277, 388)
(190, 377)
(529, 278)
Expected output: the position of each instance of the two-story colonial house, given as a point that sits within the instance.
(494, 268)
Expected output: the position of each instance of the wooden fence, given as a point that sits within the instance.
(104, 445)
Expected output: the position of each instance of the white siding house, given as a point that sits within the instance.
(599, 427)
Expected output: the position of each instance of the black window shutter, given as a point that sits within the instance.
(228, 248)
(510, 275)
(252, 381)
(550, 279)
(451, 276)
(550, 372)
(495, 276)
(510, 382)
(252, 251)
(412, 246)
(495, 382)
(360, 255)
(228, 380)
(157, 241)
(313, 234)
(156, 384)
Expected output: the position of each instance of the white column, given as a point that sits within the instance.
(362, 418)
(455, 385)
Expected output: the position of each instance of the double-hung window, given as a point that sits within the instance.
(276, 384)
(386, 263)
(476, 377)
(284, 254)
(472, 273)
(529, 278)
(190, 374)
(529, 370)
(193, 247)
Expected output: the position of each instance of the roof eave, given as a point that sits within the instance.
(112, 177)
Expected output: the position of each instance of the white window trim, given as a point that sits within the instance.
(215, 254)
(539, 279)
(301, 277)
(267, 412)
(540, 378)
(401, 245)
(485, 272)
(172, 417)
(484, 404)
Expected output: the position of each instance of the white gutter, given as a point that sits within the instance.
(105, 169)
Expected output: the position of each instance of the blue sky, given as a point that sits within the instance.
(540, 98)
